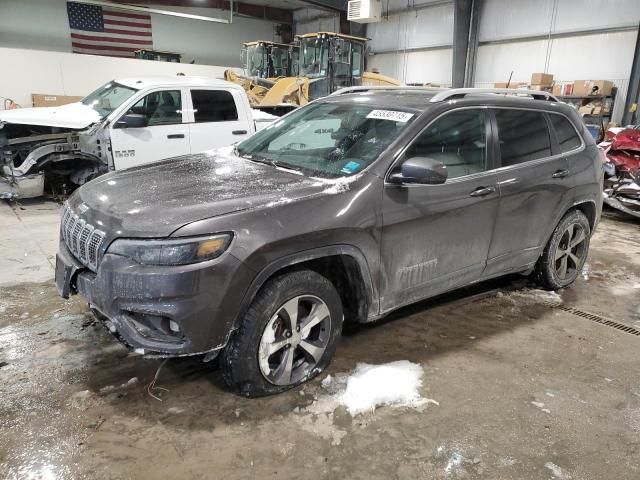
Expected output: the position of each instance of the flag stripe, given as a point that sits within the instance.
(126, 15)
(127, 32)
(88, 51)
(98, 40)
(104, 47)
(126, 24)
(99, 35)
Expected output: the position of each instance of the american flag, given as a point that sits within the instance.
(103, 31)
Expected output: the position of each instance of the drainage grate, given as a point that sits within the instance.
(598, 319)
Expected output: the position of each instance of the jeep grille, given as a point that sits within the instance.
(82, 240)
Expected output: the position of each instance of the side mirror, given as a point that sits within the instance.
(132, 120)
(422, 170)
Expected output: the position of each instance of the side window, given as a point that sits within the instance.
(213, 106)
(523, 136)
(160, 108)
(458, 140)
(357, 60)
(568, 139)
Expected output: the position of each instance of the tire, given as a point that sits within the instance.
(565, 253)
(301, 309)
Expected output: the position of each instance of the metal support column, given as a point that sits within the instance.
(466, 18)
(472, 46)
(633, 92)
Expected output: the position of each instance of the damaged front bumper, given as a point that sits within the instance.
(622, 192)
(166, 311)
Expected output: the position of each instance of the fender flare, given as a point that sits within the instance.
(299, 257)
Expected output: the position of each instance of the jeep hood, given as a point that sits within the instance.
(74, 115)
(157, 199)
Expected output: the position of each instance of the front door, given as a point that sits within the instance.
(216, 121)
(165, 136)
(535, 184)
(437, 237)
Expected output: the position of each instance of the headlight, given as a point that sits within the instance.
(180, 251)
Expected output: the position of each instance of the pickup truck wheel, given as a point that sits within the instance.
(564, 256)
(287, 336)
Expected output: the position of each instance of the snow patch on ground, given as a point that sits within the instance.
(394, 384)
(557, 471)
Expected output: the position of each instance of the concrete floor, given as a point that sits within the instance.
(529, 387)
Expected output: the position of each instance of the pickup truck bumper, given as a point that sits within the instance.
(166, 311)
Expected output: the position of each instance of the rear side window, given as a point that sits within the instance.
(458, 140)
(213, 106)
(568, 139)
(523, 135)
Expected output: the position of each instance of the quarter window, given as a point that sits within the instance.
(213, 106)
(458, 140)
(568, 139)
(523, 135)
(160, 108)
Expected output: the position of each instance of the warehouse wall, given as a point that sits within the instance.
(43, 25)
(514, 36)
(422, 35)
(309, 20)
(61, 73)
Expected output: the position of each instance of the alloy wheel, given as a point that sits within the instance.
(294, 340)
(570, 251)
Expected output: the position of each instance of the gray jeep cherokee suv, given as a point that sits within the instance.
(343, 210)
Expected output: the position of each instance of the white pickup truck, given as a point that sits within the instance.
(125, 123)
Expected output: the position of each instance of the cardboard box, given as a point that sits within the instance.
(544, 79)
(45, 100)
(586, 110)
(541, 88)
(563, 89)
(583, 88)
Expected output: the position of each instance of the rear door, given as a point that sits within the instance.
(535, 183)
(218, 119)
(437, 237)
(165, 136)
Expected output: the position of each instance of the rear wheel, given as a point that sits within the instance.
(288, 335)
(564, 256)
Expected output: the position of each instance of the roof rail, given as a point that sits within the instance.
(453, 93)
(366, 88)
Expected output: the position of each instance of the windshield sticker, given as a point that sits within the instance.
(350, 167)
(390, 115)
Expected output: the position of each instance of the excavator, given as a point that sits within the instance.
(319, 64)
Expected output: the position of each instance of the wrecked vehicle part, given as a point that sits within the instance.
(622, 170)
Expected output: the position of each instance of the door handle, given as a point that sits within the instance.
(560, 174)
(482, 191)
(175, 135)
(239, 132)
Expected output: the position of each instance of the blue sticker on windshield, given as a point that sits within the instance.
(350, 167)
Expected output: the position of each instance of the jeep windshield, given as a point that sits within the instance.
(327, 140)
(108, 97)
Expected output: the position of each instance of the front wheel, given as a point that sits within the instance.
(288, 335)
(565, 253)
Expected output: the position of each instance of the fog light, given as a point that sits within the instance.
(173, 326)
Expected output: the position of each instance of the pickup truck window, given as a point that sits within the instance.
(108, 97)
(213, 106)
(160, 108)
(327, 139)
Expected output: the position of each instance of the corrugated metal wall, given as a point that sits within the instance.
(573, 39)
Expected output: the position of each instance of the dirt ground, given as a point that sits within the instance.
(530, 386)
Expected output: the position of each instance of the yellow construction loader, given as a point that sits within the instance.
(318, 65)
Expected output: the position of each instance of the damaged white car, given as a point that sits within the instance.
(125, 123)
